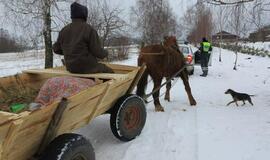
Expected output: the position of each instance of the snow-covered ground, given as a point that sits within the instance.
(12, 63)
(258, 45)
(209, 131)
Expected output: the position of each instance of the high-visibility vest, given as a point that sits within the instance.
(206, 46)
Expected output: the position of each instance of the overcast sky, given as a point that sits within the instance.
(178, 6)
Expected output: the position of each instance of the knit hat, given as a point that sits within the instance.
(78, 11)
(204, 39)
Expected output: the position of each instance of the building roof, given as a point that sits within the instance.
(224, 33)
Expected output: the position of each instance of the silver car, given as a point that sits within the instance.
(189, 56)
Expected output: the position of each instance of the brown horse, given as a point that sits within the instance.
(162, 60)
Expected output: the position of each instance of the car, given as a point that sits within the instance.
(197, 57)
(189, 56)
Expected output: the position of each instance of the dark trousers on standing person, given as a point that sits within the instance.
(204, 63)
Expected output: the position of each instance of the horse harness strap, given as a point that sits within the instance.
(153, 54)
(157, 89)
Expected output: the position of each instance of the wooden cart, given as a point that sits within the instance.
(23, 135)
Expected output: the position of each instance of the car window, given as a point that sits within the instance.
(184, 49)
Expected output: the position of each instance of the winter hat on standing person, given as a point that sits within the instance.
(204, 39)
(78, 11)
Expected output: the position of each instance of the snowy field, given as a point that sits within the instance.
(209, 131)
(258, 45)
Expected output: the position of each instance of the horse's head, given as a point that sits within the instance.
(170, 41)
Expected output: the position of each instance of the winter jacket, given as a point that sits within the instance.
(206, 47)
(79, 43)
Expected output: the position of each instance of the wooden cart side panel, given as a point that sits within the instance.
(115, 91)
(6, 117)
(3, 134)
(121, 68)
(6, 121)
(31, 131)
(28, 137)
(10, 139)
(34, 81)
(77, 114)
(136, 79)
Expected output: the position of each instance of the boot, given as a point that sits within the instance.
(204, 74)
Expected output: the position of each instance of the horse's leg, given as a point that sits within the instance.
(142, 84)
(168, 88)
(184, 77)
(157, 83)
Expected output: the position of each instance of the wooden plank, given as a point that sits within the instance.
(115, 91)
(27, 142)
(6, 117)
(3, 131)
(39, 116)
(50, 132)
(94, 113)
(10, 138)
(27, 79)
(28, 136)
(76, 112)
(111, 99)
(66, 73)
(121, 68)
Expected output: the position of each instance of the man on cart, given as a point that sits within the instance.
(80, 44)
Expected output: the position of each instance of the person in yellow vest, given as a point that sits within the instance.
(205, 49)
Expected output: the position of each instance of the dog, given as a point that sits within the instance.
(239, 97)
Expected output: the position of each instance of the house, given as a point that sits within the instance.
(225, 36)
(262, 34)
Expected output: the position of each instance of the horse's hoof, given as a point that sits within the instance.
(167, 98)
(193, 103)
(159, 109)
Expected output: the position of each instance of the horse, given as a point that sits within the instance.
(162, 60)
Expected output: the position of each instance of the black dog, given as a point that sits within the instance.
(239, 97)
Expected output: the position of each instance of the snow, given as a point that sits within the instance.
(13, 63)
(209, 131)
(258, 45)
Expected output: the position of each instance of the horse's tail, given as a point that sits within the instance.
(143, 81)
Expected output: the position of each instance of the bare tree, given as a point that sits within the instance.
(105, 19)
(198, 22)
(237, 24)
(154, 19)
(34, 14)
(227, 2)
(257, 16)
(222, 18)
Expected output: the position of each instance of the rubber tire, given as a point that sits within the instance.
(117, 117)
(71, 144)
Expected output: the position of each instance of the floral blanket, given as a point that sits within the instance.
(58, 87)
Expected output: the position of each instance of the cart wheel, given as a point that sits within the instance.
(69, 147)
(128, 117)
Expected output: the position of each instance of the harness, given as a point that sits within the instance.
(169, 80)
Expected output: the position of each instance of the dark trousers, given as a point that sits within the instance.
(204, 62)
(102, 68)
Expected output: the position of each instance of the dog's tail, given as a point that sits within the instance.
(252, 95)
